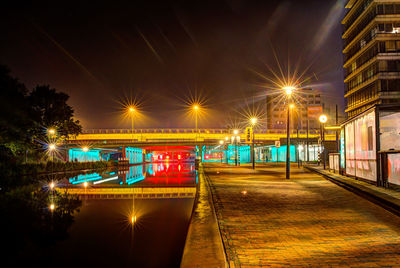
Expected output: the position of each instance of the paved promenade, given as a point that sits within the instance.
(266, 220)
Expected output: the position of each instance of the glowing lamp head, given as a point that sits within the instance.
(291, 106)
(226, 138)
(289, 90)
(52, 206)
(235, 131)
(196, 107)
(133, 219)
(253, 120)
(132, 109)
(51, 185)
(323, 119)
(52, 147)
(85, 148)
(52, 131)
(85, 184)
(221, 142)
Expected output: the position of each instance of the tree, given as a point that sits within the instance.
(51, 110)
(16, 121)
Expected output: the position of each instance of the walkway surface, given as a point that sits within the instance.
(387, 197)
(306, 221)
(203, 247)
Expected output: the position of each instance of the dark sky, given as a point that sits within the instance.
(160, 51)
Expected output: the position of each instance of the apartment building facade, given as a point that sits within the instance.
(371, 38)
(303, 99)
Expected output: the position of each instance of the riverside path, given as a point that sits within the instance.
(266, 220)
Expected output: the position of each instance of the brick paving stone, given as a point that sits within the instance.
(307, 221)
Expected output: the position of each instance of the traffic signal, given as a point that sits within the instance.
(249, 132)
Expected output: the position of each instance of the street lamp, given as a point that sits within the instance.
(253, 122)
(237, 150)
(221, 142)
(288, 90)
(196, 109)
(51, 131)
(52, 148)
(323, 119)
(227, 148)
(235, 132)
(132, 111)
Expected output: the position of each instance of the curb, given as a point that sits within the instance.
(187, 257)
(387, 202)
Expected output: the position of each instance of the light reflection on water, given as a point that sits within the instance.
(154, 174)
(115, 232)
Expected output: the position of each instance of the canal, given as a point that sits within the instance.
(132, 216)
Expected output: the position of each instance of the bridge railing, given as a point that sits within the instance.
(191, 130)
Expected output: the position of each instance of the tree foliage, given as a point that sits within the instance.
(25, 116)
(51, 110)
(16, 121)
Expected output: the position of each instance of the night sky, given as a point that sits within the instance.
(160, 51)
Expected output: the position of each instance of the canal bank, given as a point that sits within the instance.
(203, 246)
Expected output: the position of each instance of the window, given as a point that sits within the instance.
(362, 43)
(390, 46)
(353, 66)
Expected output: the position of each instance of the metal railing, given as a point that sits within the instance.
(188, 130)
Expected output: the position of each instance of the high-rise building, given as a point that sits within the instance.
(276, 107)
(371, 54)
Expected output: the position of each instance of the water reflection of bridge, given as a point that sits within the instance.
(129, 193)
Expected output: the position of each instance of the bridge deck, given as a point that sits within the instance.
(186, 135)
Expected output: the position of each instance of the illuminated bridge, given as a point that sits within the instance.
(114, 137)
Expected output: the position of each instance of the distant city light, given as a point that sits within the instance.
(235, 131)
(291, 106)
(51, 185)
(253, 120)
(85, 184)
(85, 148)
(52, 207)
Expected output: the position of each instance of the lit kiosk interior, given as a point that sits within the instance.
(370, 146)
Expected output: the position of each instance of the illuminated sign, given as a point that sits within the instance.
(314, 112)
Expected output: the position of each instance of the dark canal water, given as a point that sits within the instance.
(110, 227)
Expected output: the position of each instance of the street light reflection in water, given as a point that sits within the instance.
(118, 229)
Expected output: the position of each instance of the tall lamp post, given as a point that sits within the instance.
(288, 90)
(52, 148)
(253, 122)
(323, 119)
(196, 108)
(132, 111)
(227, 148)
(221, 143)
(235, 132)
